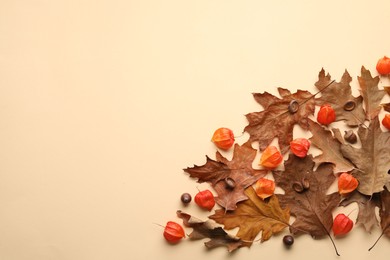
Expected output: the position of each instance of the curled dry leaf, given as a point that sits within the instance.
(253, 216)
(206, 229)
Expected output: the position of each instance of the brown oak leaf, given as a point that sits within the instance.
(276, 120)
(330, 146)
(386, 106)
(372, 95)
(207, 229)
(239, 169)
(305, 195)
(339, 96)
(367, 205)
(372, 159)
(253, 216)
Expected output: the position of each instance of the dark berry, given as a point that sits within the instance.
(288, 240)
(186, 198)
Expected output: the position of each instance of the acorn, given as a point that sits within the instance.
(350, 137)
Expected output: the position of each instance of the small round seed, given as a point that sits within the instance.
(186, 198)
(288, 240)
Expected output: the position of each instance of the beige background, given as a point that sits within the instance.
(103, 103)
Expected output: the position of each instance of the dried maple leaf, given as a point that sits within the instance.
(330, 146)
(386, 106)
(255, 215)
(239, 170)
(372, 95)
(276, 120)
(372, 159)
(366, 205)
(305, 195)
(339, 96)
(206, 229)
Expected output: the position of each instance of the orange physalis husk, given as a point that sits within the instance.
(342, 224)
(347, 183)
(271, 157)
(205, 199)
(383, 65)
(264, 188)
(299, 147)
(223, 138)
(326, 115)
(386, 121)
(173, 232)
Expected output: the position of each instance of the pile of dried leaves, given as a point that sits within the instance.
(313, 207)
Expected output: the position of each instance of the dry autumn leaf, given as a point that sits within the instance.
(253, 216)
(206, 229)
(239, 171)
(339, 96)
(372, 159)
(305, 195)
(276, 120)
(330, 146)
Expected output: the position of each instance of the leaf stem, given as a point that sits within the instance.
(319, 91)
(334, 245)
(383, 232)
